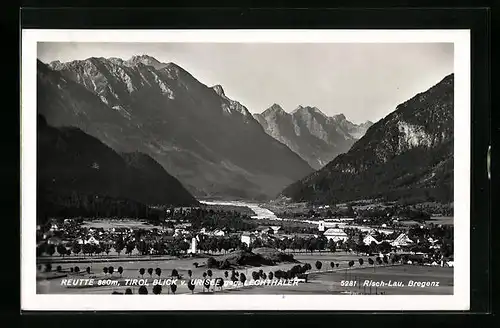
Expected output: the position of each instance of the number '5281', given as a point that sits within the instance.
(349, 283)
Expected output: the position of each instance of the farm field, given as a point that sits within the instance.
(325, 281)
(330, 282)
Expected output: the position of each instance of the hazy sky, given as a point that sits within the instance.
(363, 81)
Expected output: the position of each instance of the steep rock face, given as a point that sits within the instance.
(408, 154)
(71, 162)
(315, 137)
(211, 143)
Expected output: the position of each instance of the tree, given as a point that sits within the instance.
(77, 269)
(175, 273)
(332, 265)
(88, 270)
(128, 291)
(336, 265)
(48, 267)
(226, 274)
(191, 286)
(130, 247)
(195, 264)
(157, 289)
(385, 247)
(86, 249)
(270, 275)
(360, 261)
(119, 246)
(190, 273)
(255, 275)
(71, 269)
(61, 250)
(351, 263)
(76, 248)
(120, 270)
(209, 273)
(106, 248)
(184, 246)
(204, 274)
(206, 284)
(51, 249)
(219, 282)
(243, 278)
(111, 270)
(143, 290)
(373, 248)
(97, 249)
(59, 268)
(370, 261)
(331, 245)
(318, 265)
(173, 288)
(141, 272)
(158, 272)
(150, 271)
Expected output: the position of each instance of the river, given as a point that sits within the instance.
(260, 212)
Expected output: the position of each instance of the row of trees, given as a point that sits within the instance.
(310, 244)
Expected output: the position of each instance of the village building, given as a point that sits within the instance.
(369, 239)
(276, 230)
(336, 234)
(248, 238)
(193, 247)
(92, 240)
(54, 240)
(402, 240)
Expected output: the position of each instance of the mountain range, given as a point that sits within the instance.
(209, 142)
(314, 136)
(72, 165)
(406, 155)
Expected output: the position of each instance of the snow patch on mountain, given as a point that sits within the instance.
(316, 129)
(164, 89)
(104, 100)
(125, 78)
(122, 111)
(296, 127)
(413, 136)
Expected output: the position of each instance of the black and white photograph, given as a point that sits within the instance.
(245, 170)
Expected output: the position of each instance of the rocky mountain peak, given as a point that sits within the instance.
(142, 59)
(56, 65)
(274, 109)
(340, 117)
(145, 60)
(408, 154)
(367, 124)
(307, 110)
(219, 90)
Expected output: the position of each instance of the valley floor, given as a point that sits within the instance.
(323, 281)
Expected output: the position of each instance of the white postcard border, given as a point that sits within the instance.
(460, 300)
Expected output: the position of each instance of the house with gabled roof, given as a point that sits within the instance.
(369, 238)
(335, 234)
(402, 240)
